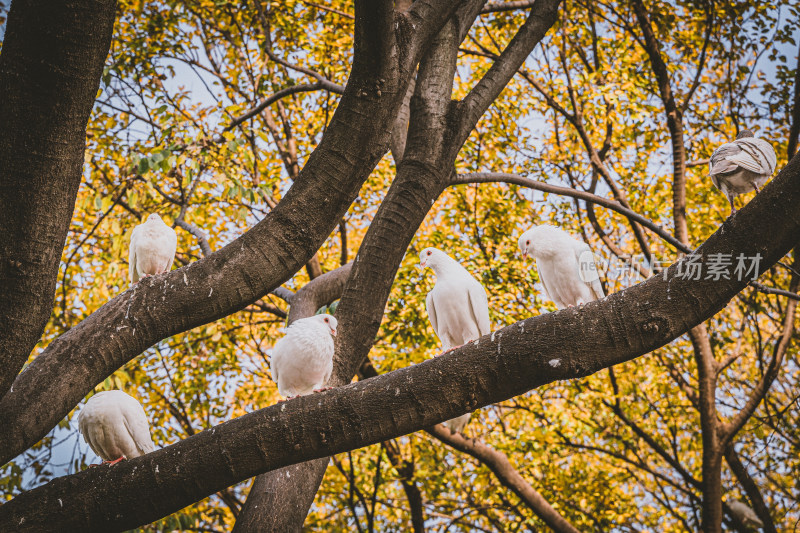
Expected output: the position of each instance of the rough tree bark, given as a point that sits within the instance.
(510, 361)
(50, 68)
(437, 130)
(252, 265)
(270, 507)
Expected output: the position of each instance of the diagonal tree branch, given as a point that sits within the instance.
(750, 488)
(502, 177)
(474, 105)
(674, 120)
(266, 102)
(505, 472)
(511, 361)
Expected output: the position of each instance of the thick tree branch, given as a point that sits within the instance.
(541, 18)
(400, 127)
(511, 361)
(50, 68)
(497, 7)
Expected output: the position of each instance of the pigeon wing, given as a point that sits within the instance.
(588, 270)
(721, 162)
(479, 305)
(756, 155)
(275, 360)
(135, 421)
(92, 435)
(173, 247)
(431, 307)
(745, 160)
(547, 290)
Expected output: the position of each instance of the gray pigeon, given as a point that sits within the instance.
(566, 265)
(742, 166)
(152, 251)
(746, 516)
(457, 308)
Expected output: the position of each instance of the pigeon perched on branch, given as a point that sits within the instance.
(742, 166)
(457, 308)
(302, 360)
(115, 426)
(566, 265)
(152, 250)
(745, 514)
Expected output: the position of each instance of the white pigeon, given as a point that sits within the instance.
(152, 251)
(746, 516)
(566, 265)
(742, 166)
(115, 426)
(457, 308)
(302, 360)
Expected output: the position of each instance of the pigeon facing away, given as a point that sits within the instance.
(302, 360)
(566, 265)
(746, 516)
(115, 426)
(457, 308)
(742, 166)
(152, 250)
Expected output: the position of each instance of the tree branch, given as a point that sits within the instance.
(497, 7)
(540, 19)
(501, 177)
(305, 87)
(618, 328)
(505, 472)
(674, 121)
(750, 488)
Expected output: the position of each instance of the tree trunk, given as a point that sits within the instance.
(50, 69)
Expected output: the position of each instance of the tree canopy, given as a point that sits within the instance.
(306, 152)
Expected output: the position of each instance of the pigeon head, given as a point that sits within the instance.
(153, 216)
(744, 134)
(526, 242)
(328, 321)
(432, 257)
